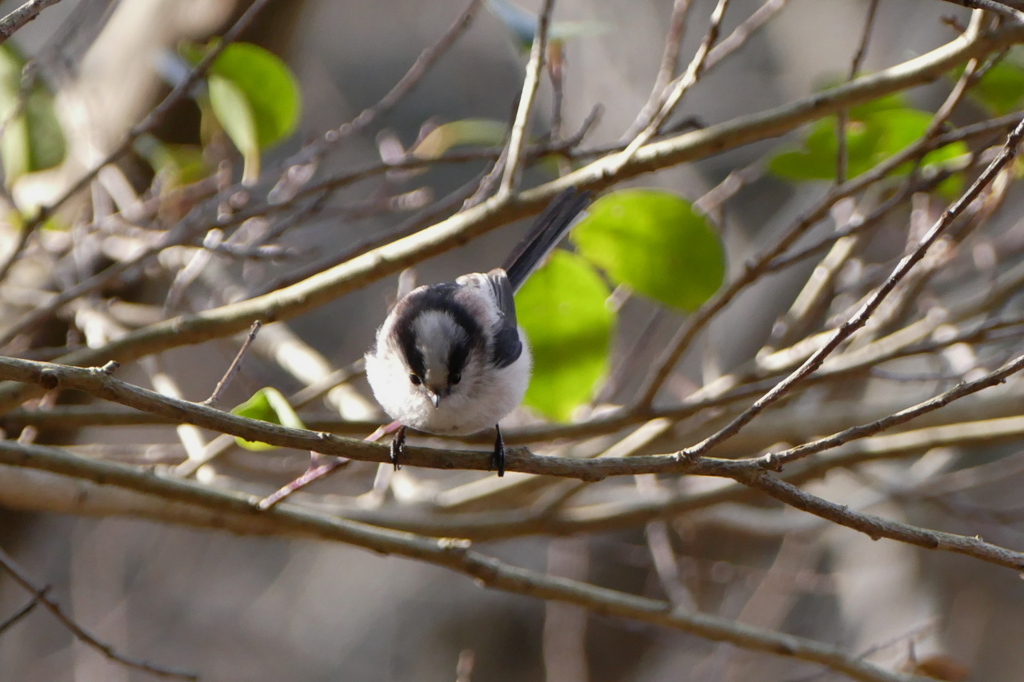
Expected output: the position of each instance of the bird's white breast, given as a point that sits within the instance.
(485, 396)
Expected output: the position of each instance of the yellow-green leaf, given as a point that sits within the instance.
(267, 405)
(183, 164)
(873, 134)
(267, 84)
(655, 243)
(563, 310)
(254, 96)
(469, 131)
(236, 116)
(33, 139)
(1001, 88)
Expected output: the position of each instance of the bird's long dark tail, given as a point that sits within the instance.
(553, 224)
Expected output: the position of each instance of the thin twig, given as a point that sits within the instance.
(777, 460)
(758, 265)
(427, 58)
(99, 382)
(992, 6)
(236, 508)
(674, 94)
(669, 60)
(843, 115)
(235, 364)
(517, 137)
(861, 317)
(813, 293)
(11, 23)
(22, 612)
(304, 296)
(742, 33)
(19, 576)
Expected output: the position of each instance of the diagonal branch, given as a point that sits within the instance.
(16, 19)
(861, 317)
(517, 137)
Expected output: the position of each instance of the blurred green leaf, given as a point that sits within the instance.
(885, 103)
(817, 161)
(873, 134)
(469, 131)
(33, 139)
(563, 310)
(269, 87)
(232, 109)
(254, 96)
(655, 243)
(183, 164)
(55, 224)
(1001, 88)
(267, 405)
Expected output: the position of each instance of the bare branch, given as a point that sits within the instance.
(861, 317)
(235, 508)
(855, 66)
(234, 366)
(995, 6)
(669, 60)
(11, 23)
(538, 54)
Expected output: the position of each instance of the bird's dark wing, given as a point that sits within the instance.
(507, 345)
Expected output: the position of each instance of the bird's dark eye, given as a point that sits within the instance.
(416, 381)
(455, 378)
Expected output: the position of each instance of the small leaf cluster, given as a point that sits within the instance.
(874, 132)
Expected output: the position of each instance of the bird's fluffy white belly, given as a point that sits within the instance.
(470, 407)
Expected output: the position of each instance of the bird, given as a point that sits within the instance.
(450, 358)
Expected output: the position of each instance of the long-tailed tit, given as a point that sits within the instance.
(450, 358)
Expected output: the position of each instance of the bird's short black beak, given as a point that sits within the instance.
(434, 398)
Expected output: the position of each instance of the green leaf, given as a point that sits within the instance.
(269, 87)
(469, 131)
(563, 310)
(183, 164)
(232, 109)
(873, 134)
(885, 103)
(655, 243)
(267, 405)
(33, 139)
(254, 96)
(1001, 89)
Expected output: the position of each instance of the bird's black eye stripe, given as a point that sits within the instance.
(457, 359)
(407, 342)
(416, 381)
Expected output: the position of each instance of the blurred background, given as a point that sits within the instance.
(251, 608)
